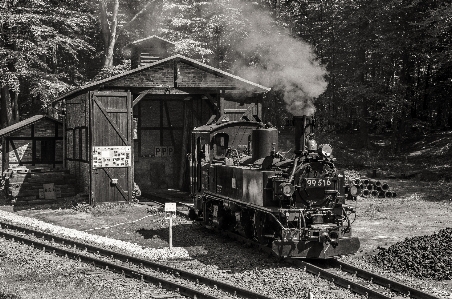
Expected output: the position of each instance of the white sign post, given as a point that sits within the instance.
(170, 209)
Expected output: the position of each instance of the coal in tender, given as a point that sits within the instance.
(422, 257)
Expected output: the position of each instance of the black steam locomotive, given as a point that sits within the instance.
(240, 182)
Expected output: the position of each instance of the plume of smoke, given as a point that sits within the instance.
(282, 62)
(266, 53)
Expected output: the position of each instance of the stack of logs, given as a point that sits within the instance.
(373, 188)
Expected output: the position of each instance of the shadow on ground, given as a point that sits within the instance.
(209, 248)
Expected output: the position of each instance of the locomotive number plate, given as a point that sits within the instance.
(317, 182)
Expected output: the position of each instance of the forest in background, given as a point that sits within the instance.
(363, 66)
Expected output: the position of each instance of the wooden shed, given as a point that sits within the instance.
(35, 141)
(135, 126)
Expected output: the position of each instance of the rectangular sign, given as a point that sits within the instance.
(163, 151)
(317, 182)
(112, 156)
(49, 191)
(170, 207)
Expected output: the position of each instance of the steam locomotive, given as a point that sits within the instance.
(240, 182)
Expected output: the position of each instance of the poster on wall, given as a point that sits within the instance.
(111, 156)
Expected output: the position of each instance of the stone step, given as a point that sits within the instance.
(35, 202)
(48, 181)
(48, 174)
(28, 185)
(35, 194)
(36, 191)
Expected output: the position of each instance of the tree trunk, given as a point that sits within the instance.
(426, 99)
(15, 107)
(5, 107)
(361, 57)
(406, 82)
(109, 30)
(364, 118)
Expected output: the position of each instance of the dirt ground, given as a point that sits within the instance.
(420, 208)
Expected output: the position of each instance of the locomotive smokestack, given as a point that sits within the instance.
(304, 125)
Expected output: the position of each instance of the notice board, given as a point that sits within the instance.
(111, 156)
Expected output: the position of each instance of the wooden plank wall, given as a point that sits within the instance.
(39, 144)
(77, 137)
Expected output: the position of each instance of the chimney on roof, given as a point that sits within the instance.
(149, 50)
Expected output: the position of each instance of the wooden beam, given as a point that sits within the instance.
(138, 98)
(143, 94)
(175, 74)
(212, 104)
(16, 153)
(185, 144)
(160, 91)
(173, 140)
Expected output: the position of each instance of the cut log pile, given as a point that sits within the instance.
(371, 188)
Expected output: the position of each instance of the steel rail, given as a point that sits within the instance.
(338, 280)
(353, 286)
(357, 287)
(233, 290)
(126, 271)
(385, 282)
(343, 282)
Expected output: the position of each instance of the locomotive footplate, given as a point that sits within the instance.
(312, 249)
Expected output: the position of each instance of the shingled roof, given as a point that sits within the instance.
(248, 85)
(24, 123)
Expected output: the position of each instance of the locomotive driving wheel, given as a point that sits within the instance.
(247, 222)
(227, 220)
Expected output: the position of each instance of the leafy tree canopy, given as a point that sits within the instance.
(39, 39)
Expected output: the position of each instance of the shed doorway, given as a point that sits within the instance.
(164, 123)
(45, 151)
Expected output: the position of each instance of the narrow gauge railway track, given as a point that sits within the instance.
(127, 265)
(368, 284)
(363, 282)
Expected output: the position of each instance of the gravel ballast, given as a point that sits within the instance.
(26, 272)
(203, 252)
(213, 256)
(108, 243)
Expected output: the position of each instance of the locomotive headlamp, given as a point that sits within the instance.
(287, 189)
(326, 150)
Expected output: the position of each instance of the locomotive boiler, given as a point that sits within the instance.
(240, 182)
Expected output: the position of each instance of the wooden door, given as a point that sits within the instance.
(111, 152)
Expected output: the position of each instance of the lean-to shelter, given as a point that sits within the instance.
(33, 142)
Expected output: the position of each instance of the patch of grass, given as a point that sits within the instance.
(8, 296)
(108, 209)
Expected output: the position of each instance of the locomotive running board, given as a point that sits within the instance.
(309, 249)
